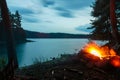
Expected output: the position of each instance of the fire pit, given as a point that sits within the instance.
(99, 55)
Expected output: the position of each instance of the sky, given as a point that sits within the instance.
(65, 16)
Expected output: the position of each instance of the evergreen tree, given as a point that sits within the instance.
(101, 24)
(17, 19)
(118, 14)
(18, 31)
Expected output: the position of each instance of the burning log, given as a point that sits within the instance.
(93, 62)
(100, 55)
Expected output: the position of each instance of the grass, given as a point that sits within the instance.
(39, 68)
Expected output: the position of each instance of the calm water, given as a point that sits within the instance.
(44, 49)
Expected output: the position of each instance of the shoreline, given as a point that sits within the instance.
(73, 66)
(18, 42)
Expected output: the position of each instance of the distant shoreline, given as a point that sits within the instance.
(33, 34)
(53, 38)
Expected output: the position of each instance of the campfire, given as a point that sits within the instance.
(101, 54)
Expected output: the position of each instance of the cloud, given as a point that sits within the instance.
(72, 4)
(47, 3)
(48, 21)
(53, 15)
(67, 4)
(84, 28)
(31, 20)
(22, 10)
(77, 4)
(60, 9)
(64, 12)
(66, 8)
(27, 14)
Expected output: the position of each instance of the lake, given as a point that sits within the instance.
(45, 49)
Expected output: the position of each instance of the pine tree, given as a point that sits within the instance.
(101, 24)
(118, 14)
(15, 19)
(18, 19)
(18, 31)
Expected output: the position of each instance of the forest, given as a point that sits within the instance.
(17, 30)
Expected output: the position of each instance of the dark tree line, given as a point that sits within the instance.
(101, 24)
(18, 32)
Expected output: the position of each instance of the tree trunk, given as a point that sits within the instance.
(12, 58)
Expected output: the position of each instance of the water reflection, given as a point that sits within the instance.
(44, 49)
(20, 49)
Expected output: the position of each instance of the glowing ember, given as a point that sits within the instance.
(103, 52)
(115, 61)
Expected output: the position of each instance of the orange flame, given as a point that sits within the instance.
(103, 52)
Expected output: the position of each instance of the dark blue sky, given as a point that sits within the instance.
(69, 16)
